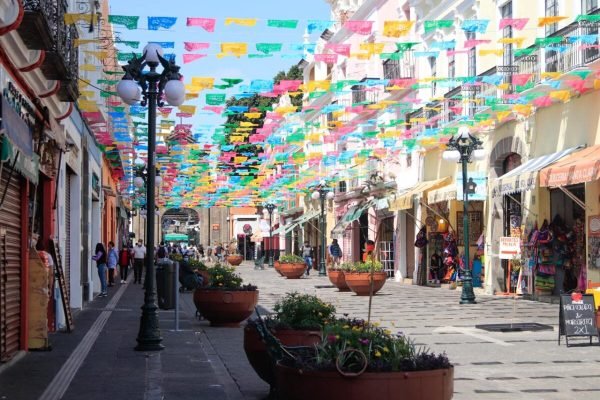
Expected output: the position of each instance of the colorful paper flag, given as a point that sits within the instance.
(208, 24)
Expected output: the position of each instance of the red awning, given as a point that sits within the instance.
(579, 167)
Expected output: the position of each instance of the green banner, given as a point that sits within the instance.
(283, 23)
(129, 22)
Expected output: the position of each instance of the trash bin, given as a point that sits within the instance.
(164, 285)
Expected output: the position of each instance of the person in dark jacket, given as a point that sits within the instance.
(100, 258)
(335, 251)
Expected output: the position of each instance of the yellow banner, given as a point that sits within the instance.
(241, 21)
(397, 29)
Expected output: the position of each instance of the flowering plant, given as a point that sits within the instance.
(352, 345)
(291, 259)
(302, 311)
(221, 277)
(366, 266)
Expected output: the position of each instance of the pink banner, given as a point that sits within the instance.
(208, 24)
(577, 84)
(520, 79)
(469, 44)
(451, 53)
(193, 46)
(544, 101)
(341, 49)
(215, 109)
(326, 58)
(289, 86)
(516, 23)
(188, 58)
(359, 27)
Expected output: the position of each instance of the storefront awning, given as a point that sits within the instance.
(444, 193)
(350, 216)
(176, 237)
(525, 176)
(300, 220)
(405, 201)
(579, 167)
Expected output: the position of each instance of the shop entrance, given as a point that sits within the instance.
(511, 205)
(568, 228)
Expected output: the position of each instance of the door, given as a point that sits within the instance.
(10, 265)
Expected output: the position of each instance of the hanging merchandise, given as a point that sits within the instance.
(545, 268)
(421, 240)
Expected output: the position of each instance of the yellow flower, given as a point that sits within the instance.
(386, 350)
(376, 324)
(346, 326)
(337, 336)
(377, 353)
(387, 332)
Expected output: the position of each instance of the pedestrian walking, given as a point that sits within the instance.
(100, 258)
(139, 253)
(307, 255)
(162, 254)
(112, 261)
(124, 262)
(201, 251)
(335, 251)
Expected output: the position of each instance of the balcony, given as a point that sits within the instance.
(43, 28)
(400, 69)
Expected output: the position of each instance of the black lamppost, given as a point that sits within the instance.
(151, 85)
(464, 147)
(270, 208)
(322, 192)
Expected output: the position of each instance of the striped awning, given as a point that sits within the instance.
(350, 216)
(300, 220)
(405, 201)
(580, 167)
(525, 176)
(444, 193)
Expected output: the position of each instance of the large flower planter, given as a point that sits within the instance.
(256, 352)
(295, 384)
(224, 307)
(337, 278)
(360, 283)
(292, 270)
(235, 260)
(277, 265)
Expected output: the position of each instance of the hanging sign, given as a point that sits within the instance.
(476, 186)
(577, 317)
(510, 247)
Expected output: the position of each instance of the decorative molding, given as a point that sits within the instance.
(16, 22)
(66, 114)
(53, 91)
(41, 57)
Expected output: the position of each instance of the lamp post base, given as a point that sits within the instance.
(322, 270)
(149, 338)
(467, 296)
(271, 262)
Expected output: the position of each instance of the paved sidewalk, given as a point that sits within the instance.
(202, 362)
(98, 361)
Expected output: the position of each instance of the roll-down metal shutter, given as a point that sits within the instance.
(67, 254)
(10, 266)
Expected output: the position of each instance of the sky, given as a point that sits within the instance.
(227, 67)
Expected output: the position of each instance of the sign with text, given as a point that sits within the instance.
(577, 317)
(510, 247)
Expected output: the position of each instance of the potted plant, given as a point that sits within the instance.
(234, 258)
(362, 274)
(337, 277)
(357, 360)
(292, 266)
(225, 301)
(298, 321)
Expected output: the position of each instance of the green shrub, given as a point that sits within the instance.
(290, 259)
(377, 266)
(302, 311)
(221, 277)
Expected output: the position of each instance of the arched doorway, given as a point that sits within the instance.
(181, 225)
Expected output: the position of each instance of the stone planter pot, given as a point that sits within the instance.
(293, 270)
(337, 278)
(294, 384)
(359, 282)
(277, 266)
(256, 351)
(235, 260)
(225, 307)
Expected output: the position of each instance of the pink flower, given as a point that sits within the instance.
(331, 338)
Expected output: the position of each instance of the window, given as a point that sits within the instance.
(451, 66)
(588, 6)
(551, 11)
(472, 61)
(342, 187)
(433, 65)
(507, 33)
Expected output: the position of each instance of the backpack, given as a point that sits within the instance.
(124, 257)
(162, 252)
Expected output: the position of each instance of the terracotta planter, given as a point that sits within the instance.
(359, 282)
(256, 351)
(235, 259)
(294, 384)
(293, 270)
(224, 307)
(277, 265)
(337, 278)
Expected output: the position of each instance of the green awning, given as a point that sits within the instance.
(300, 220)
(176, 237)
(29, 167)
(350, 216)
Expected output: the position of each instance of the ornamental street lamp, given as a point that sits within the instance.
(270, 208)
(465, 146)
(151, 85)
(322, 192)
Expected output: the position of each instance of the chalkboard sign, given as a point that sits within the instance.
(577, 317)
